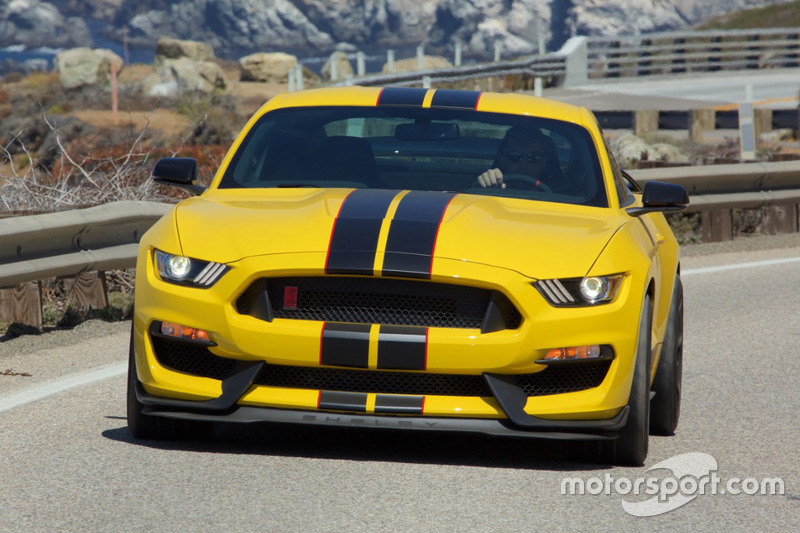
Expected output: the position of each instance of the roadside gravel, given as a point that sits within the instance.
(44, 358)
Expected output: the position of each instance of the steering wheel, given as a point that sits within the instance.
(521, 179)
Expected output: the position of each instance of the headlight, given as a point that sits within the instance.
(580, 292)
(187, 271)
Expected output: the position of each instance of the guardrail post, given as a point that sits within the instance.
(714, 56)
(390, 61)
(576, 62)
(702, 121)
(780, 219)
(792, 58)
(457, 52)
(747, 134)
(22, 304)
(716, 226)
(360, 64)
(645, 64)
(88, 290)
(420, 58)
(498, 50)
(753, 60)
(645, 121)
(298, 76)
(613, 66)
(679, 64)
(762, 120)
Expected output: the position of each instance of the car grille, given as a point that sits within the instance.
(382, 301)
(557, 379)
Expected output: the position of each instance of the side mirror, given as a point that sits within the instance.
(663, 197)
(178, 172)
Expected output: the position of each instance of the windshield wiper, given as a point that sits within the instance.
(296, 185)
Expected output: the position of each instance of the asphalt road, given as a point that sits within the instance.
(69, 464)
(774, 89)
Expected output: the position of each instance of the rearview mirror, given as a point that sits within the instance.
(430, 131)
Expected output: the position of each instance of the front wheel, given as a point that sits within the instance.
(665, 407)
(630, 449)
(148, 427)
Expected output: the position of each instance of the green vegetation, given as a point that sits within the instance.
(785, 15)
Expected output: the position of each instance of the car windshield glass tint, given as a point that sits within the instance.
(419, 149)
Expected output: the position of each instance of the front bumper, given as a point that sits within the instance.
(596, 410)
(225, 408)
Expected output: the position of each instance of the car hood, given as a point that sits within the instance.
(537, 239)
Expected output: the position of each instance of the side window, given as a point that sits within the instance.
(623, 193)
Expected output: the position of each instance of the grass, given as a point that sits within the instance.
(786, 15)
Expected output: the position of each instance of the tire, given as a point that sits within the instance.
(147, 427)
(630, 448)
(665, 407)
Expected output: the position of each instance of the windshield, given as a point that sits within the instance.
(420, 149)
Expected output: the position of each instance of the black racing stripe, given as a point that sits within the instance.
(455, 99)
(412, 235)
(402, 348)
(345, 345)
(343, 401)
(397, 404)
(354, 238)
(402, 96)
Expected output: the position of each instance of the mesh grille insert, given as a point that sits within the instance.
(199, 361)
(382, 301)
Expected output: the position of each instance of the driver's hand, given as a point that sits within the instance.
(492, 178)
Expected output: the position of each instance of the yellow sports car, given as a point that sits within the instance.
(409, 258)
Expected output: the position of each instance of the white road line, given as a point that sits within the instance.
(723, 268)
(54, 387)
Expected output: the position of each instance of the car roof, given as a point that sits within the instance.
(512, 103)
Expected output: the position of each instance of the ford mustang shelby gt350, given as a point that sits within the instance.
(413, 259)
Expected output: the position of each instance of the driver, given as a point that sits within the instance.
(529, 153)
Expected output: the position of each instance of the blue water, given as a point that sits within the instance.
(42, 58)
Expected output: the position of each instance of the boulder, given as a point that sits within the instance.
(84, 66)
(628, 148)
(267, 67)
(182, 66)
(412, 64)
(175, 76)
(168, 48)
(343, 67)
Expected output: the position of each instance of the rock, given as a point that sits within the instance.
(175, 76)
(233, 26)
(479, 24)
(183, 65)
(83, 66)
(343, 67)
(412, 64)
(628, 148)
(168, 48)
(35, 24)
(267, 67)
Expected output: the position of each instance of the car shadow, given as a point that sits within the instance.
(462, 449)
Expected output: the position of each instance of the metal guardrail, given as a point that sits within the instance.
(69, 243)
(549, 66)
(693, 51)
(105, 237)
(565, 67)
(747, 185)
(583, 59)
